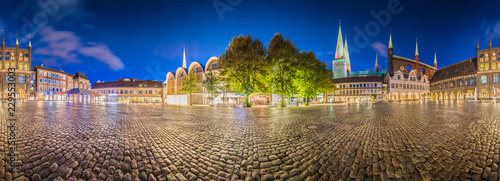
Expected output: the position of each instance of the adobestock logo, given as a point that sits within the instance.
(221, 7)
(382, 18)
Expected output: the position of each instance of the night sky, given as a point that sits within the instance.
(109, 40)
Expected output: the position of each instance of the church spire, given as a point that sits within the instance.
(490, 41)
(17, 39)
(3, 39)
(346, 56)
(416, 48)
(29, 44)
(184, 58)
(477, 47)
(390, 39)
(376, 62)
(339, 51)
(435, 60)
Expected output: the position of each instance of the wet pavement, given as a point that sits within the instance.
(396, 141)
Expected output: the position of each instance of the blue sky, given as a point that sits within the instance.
(144, 39)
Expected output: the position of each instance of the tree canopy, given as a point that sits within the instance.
(243, 63)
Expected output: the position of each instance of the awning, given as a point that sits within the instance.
(78, 91)
(234, 95)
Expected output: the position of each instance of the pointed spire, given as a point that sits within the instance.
(346, 55)
(477, 43)
(184, 57)
(490, 41)
(17, 39)
(29, 44)
(435, 59)
(3, 38)
(416, 47)
(390, 38)
(339, 51)
(376, 60)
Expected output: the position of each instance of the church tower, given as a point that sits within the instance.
(340, 65)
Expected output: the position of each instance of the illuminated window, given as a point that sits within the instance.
(493, 66)
(496, 78)
(484, 79)
(481, 67)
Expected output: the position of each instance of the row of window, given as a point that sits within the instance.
(53, 75)
(472, 81)
(140, 85)
(484, 67)
(21, 79)
(409, 86)
(52, 81)
(12, 53)
(411, 78)
(127, 92)
(21, 66)
(48, 88)
(357, 85)
(348, 92)
(14, 58)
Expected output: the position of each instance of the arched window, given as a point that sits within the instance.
(408, 67)
(493, 66)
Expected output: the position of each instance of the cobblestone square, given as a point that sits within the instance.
(398, 141)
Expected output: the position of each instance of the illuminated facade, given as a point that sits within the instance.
(128, 90)
(52, 84)
(342, 63)
(358, 86)
(20, 59)
(408, 79)
(174, 81)
(472, 79)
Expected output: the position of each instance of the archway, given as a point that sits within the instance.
(485, 94)
(440, 96)
(459, 95)
(446, 95)
(471, 94)
(452, 95)
(22, 94)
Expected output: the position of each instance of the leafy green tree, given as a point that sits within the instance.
(373, 96)
(211, 83)
(312, 76)
(243, 65)
(282, 58)
(190, 85)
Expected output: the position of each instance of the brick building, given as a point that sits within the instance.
(20, 59)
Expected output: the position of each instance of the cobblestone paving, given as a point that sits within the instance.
(399, 141)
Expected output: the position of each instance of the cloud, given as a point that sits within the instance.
(496, 30)
(102, 53)
(380, 48)
(331, 53)
(63, 47)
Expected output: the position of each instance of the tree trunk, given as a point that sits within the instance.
(282, 100)
(191, 99)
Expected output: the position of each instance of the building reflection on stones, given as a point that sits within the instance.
(128, 90)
